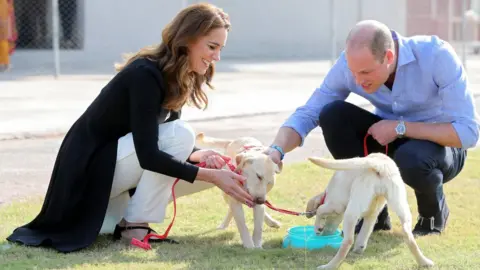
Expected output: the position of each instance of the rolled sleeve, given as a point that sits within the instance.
(458, 102)
(334, 87)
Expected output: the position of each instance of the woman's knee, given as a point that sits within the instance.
(418, 166)
(182, 140)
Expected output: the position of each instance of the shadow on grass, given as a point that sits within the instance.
(206, 250)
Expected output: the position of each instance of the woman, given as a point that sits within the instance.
(131, 136)
(8, 33)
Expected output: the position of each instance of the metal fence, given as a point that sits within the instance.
(54, 28)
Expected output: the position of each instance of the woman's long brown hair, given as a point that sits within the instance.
(183, 87)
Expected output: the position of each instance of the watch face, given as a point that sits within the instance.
(400, 129)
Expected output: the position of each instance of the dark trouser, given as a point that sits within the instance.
(425, 166)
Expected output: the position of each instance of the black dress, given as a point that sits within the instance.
(78, 194)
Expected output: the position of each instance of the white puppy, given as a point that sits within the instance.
(260, 171)
(360, 188)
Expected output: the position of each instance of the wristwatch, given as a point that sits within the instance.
(400, 129)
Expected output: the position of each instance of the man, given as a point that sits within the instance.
(424, 112)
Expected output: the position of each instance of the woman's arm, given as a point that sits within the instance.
(145, 96)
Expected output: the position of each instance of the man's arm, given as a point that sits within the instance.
(305, 118)
(441, 133)
(458, 105)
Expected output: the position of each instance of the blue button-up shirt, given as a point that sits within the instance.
(430, 85)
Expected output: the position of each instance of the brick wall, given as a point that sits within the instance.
(421, 19)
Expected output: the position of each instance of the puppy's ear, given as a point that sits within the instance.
(199, 138)
(313, 204)
(239, 159)
(277, 167)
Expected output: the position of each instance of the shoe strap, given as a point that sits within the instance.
(137, 227)
(117, 234)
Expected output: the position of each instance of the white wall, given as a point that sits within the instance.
(265, 29)
(261, 30)
(113, 27)
(299, 29)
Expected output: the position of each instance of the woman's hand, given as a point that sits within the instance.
(229, 182)
(212, 158)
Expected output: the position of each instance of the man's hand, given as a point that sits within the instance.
(383, 131)
(273, 154)
(212, 158)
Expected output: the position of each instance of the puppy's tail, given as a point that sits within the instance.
(211, 142)
(349, 164)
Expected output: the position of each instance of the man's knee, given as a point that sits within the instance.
(418, 166)
(332, 113)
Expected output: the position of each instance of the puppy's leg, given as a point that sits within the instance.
(399, 205)
(227, 220)
(349, 221)
(366, 230)
(271, 222)
(239, 216)
(313, 204)
(258, 217)
(229, 216)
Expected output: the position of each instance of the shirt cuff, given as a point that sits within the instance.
(467, 136)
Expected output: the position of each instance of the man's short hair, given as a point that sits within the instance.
(379, 42)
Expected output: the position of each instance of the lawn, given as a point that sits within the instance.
(204, 247)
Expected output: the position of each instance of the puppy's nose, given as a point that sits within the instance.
(259, 200)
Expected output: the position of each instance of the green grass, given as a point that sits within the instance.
(204, 247)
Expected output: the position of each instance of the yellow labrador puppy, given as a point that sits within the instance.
(260, 171)
(360, 188)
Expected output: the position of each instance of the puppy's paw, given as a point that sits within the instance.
(249, 245)
(358, 250)
(427, 263)
(274, 223)
(326, 266)
(258, 245)
(222, 226)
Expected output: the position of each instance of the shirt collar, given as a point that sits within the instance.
(405, 54)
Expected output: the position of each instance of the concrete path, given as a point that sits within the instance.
(39, 106)
(250, 100)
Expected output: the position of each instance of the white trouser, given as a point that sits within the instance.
(153, 190)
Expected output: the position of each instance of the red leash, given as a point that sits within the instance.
(268, 204)
(144, 244)
(365, 149)
(322, 200)
(289, 212)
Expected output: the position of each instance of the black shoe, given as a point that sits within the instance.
(433, 225)
(117, 234)
(383, 222)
